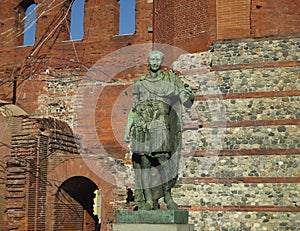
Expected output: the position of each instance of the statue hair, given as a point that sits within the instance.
(157, 52)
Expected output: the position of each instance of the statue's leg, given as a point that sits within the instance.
(167, 179)
(146, 182)
(138, 191)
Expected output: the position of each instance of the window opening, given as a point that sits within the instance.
(127, 17)
(77, 20)
(30, 25)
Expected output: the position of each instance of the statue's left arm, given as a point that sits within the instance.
(186, 94)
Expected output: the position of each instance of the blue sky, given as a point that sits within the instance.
(30, 25)
(127, 20)
(127, 16)
(77, 17)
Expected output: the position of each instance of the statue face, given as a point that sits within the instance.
(155, 61)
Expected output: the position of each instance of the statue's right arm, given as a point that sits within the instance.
(131, 114)
(128, 126)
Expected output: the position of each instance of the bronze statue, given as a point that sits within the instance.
(154, 128)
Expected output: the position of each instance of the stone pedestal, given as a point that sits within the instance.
(150, 227)
(158, 220)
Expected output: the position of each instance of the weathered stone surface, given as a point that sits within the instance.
(153, 217)
(238, 194)
(257, 51)
(252, 109)
(151, 227)
(243, 166)
(241, 109)
(253, 137)
(246, 221)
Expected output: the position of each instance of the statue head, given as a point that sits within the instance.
(155, 60)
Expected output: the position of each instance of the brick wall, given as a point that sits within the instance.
(233, 19)
(5, 151)
(44, 157)
(164, 22)
(274, 17)
(186, 24)
(100, 36)
(246, 18)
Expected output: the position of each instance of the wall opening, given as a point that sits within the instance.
(30, 25)
(127, 17)
(26, 22)
(77, 20)
(74, 205)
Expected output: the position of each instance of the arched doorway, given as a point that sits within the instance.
(73, 209)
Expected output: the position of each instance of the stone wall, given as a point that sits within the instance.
(263, 50)
(244, 173)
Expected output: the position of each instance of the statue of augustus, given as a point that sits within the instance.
(154, 128)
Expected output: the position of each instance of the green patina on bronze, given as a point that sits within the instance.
(154, 128)
(153, 217)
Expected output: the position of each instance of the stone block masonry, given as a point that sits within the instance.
(245, 221)
(250, 101)
(256, 52)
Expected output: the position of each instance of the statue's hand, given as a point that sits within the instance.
(188, 91)
(127, 138)
(188, 97)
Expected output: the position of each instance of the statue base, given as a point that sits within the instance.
(151, 227)
(153, 217)
(162, 220)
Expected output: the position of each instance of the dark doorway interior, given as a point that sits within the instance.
(74, 205)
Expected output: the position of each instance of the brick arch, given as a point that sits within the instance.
(73, 205)
(26, 3)
(10, 117)
(5, 151)
(74, 168)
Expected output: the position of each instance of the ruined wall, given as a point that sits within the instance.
(45, 83)
(101, 23)
(45, 155)
(244, 174)
(5, 139)
(247, 104)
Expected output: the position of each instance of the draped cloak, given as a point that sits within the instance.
(156, 123)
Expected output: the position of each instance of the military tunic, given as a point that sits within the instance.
(155, 112)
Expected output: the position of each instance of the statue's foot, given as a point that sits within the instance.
(146, 206)
(171, 204)
(155, 205)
